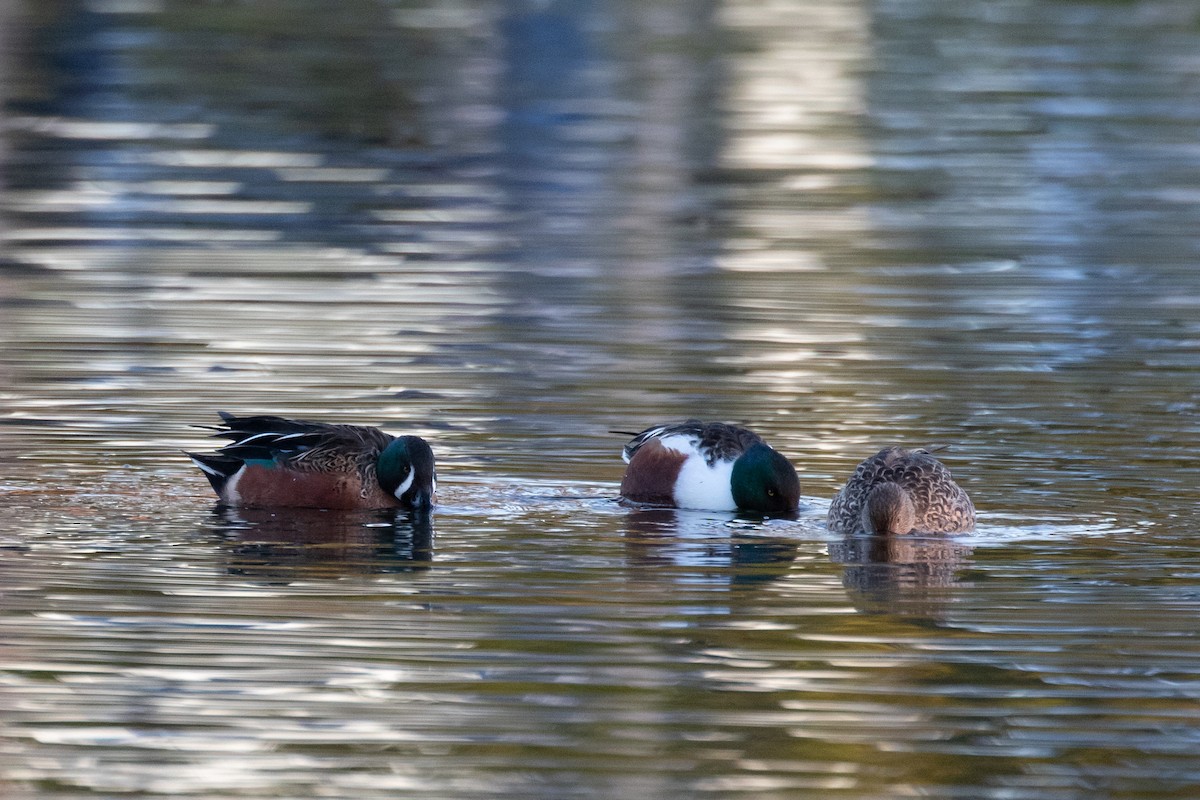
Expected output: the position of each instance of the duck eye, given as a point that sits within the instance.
(770, 492)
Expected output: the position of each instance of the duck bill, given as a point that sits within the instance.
(421, 501)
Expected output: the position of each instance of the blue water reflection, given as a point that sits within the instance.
(513, 228)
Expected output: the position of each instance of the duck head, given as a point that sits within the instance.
(763, 480)
(889, 509)
(406, 471)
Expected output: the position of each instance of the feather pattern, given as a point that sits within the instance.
(939, 505)
(272, 460)
(302, 445)
(708, 465)
(715, 441)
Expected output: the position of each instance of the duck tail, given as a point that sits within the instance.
(216, 467)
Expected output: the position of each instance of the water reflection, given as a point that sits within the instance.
(906, 574)
(299, 544)
(513, 227)
(698, 547)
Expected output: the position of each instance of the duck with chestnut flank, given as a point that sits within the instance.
(277, 462)
(710, 466)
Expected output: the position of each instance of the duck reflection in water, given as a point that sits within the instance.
(913, 574)
(690, 545)
(304, 544)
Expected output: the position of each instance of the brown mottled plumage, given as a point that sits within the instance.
(901, 491)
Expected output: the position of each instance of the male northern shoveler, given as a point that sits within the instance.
(710, 466)
(277, 462)
(901, 491)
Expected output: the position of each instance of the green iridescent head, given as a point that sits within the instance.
(406, 470)
(763, 480)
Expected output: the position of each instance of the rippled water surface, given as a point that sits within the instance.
(512, 228)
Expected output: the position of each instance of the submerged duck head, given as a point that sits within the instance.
(888, 509)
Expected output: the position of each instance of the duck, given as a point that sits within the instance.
(274, 462)
(900, 491)
(711, 466)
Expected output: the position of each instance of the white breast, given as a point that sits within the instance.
(699, 485)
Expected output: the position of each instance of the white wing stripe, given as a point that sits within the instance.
(205, 467)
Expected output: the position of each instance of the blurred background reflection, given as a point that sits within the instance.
(514, 227)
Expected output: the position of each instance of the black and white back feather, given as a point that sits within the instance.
(292, 441)
(717, 441)
(295, 444)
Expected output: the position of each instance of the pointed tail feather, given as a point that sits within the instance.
(216, 467)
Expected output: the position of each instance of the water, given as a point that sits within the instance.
(514, 228)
